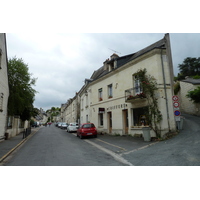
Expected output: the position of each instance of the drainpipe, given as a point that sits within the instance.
(165, 89)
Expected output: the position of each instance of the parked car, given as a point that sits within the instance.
(56, 124)
(64, 125)
(72, 127)
(59, 124)
(35, 124)
(87, 129)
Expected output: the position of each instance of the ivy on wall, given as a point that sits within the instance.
(149, 88)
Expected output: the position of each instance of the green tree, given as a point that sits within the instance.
(22, 94)
(189, 67)
(194, 95)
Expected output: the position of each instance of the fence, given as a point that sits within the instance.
(26, 132)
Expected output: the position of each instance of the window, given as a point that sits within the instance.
(88, 126)
(137, 85)
(1, 102)
(9, 121)
(110, 91)
(100, 119)
(139, 117)
(100, 94)
(0, 58)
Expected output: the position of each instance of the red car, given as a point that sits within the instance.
(87, 129)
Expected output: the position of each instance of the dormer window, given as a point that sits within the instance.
(111, 66)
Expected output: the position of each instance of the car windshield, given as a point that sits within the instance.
(73, 125)
(88, 126)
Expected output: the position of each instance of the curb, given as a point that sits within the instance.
(13, 149)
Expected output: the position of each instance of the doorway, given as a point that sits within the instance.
(109, 122)
(125, 121)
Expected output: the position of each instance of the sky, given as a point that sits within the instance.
(62, 61)
(63, 42)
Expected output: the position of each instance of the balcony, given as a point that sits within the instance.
(134, 94)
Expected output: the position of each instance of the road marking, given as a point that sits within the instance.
(114, 155)
(111, 144)
(144, 147)
(107, 143)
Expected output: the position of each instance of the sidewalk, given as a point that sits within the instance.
(8, 146)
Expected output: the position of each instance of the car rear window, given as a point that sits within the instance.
(88, 126)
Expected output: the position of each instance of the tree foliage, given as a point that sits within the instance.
(22, 94)
(53, 112)
(189, 67)
(194, 95)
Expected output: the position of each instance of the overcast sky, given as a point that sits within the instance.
(62, 61)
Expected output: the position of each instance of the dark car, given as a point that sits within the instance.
(87, 129)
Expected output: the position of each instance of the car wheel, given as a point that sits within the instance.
(77, 135)
(81, 137)
(95, 136)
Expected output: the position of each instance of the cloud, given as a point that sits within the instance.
(62, 61)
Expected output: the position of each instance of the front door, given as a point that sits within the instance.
(109, 122)
(125, 121)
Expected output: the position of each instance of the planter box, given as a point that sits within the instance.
(146, 134)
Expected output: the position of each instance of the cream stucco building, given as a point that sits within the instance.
(70, 111)
(104, 97)
(186, 105)
(4, 89)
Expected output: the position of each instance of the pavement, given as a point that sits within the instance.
(116, 144)
(10, 145)
(121, 144)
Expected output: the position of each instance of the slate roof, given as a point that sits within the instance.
(192, 81)
(127, 58)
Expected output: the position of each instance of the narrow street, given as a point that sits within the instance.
(51, 146)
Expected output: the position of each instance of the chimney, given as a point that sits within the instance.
(114, 56)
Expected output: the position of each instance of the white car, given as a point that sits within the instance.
(72, 127)
(64, 125)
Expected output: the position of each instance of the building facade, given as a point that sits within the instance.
(186, 105)
(105, 97)
(4, 88)
(70, 111)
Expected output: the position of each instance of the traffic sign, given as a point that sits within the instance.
(176, 104)
(177, 113)
(175, 98)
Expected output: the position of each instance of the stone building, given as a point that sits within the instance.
(70, 111)
(186, 105)
(4, 89)
(105, 97)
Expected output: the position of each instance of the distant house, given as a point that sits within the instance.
(70, 111)
(186, 105)
(109, 97)
(4, 89)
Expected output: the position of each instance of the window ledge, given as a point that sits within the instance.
(138, 127)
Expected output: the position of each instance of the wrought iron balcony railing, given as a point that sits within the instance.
(133, 94)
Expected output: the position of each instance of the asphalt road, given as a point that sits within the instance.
(51, 146)
(182, 150)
